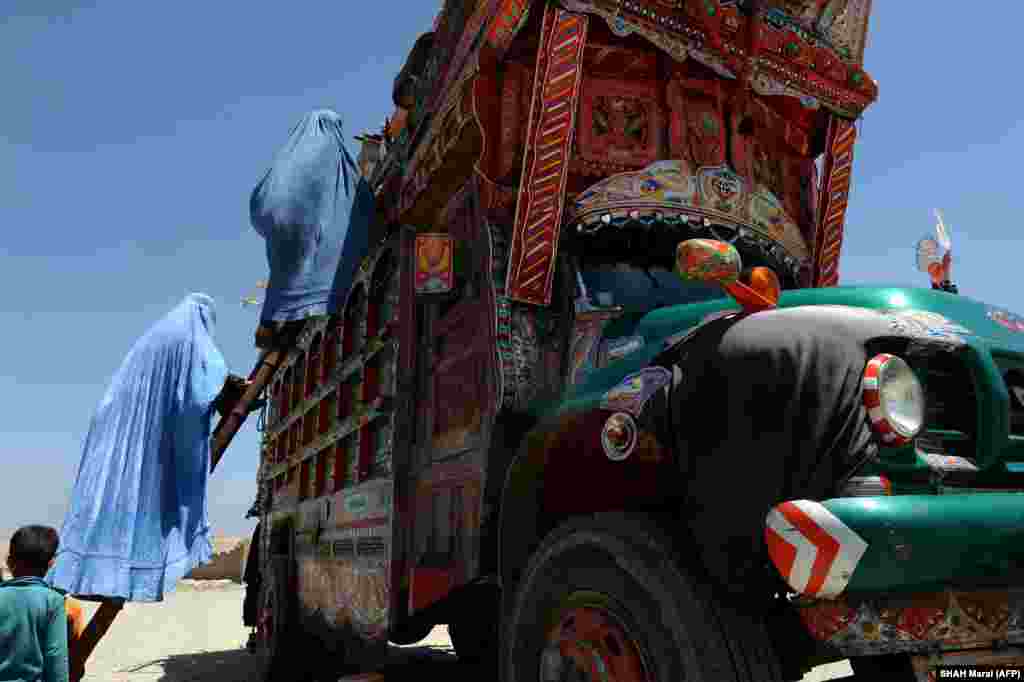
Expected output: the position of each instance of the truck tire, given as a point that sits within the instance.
(410, 633)
(277, 620)
(293, 654)
(608, 597)
(473, 627)
(475, 643)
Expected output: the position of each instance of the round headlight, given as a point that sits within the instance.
(894, 399)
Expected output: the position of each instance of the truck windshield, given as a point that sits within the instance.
(636, 289)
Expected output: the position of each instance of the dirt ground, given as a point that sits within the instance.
(197, 635)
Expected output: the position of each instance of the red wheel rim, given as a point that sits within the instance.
(593, 643)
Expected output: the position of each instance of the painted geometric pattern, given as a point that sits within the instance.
(848, 31)
(545, 167)
(502, 316)
(939, 621)
(675, 187)
(814, 551)
(482, 17)
(836, 195)
(510, 19)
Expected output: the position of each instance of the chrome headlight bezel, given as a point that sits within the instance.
(894, 398)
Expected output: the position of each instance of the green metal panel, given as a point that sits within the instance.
(930, 542)
(987, 338)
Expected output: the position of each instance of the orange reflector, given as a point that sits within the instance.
(764, 281)
(756, 289)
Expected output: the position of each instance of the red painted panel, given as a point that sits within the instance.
(429, 585)
(371, 382)
(345, 399)
(298, 378)
(697, 123)
(326, 412)
(313, 371)
(366, 442)
(512, 117)
(321, 472)
(620, 122)
(576, 447)
(309, 427)
(340, 465)
(296, 437)
(330, 350)
(286, 393)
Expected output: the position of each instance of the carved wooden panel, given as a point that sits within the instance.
(459, 341)
(620, 122)
(514, 112)
(696, 124)
(610, 60)
(769, 150)
(458, 377)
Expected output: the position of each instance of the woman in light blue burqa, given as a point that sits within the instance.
(315, 211)
(137, 521)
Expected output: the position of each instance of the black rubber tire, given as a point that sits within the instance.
(475, 642)
(295, 655)
(887, 668)
(282, 641)
(683, 632)
(410, 633)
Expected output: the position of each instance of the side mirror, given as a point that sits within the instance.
(708, 261)
(712, 261)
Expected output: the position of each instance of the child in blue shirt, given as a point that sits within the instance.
(33, 621)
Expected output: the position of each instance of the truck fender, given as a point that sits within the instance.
(562, 469)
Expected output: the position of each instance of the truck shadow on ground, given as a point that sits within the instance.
(404, 664)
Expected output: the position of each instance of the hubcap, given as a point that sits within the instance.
(589, 644)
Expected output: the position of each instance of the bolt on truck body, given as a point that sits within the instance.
(595, 398)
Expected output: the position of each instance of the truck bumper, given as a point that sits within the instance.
(907, 573)
(899, 544)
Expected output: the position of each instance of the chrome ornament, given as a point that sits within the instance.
(619, 436)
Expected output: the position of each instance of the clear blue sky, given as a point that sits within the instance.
(132, 133)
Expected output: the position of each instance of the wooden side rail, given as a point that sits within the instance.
(229, 425)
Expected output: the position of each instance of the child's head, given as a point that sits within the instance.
(32, 551)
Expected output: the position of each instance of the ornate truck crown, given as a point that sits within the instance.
(710, 199)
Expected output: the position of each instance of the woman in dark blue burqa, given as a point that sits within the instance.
(137, 521)
(314, 210)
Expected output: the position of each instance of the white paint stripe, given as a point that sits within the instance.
(805, 551)
(871, 383)
(851, 547)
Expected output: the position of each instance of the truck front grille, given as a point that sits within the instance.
(951, 420)
(1017, 411)
(1013, 376)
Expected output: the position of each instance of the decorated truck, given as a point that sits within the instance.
(595, 399)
